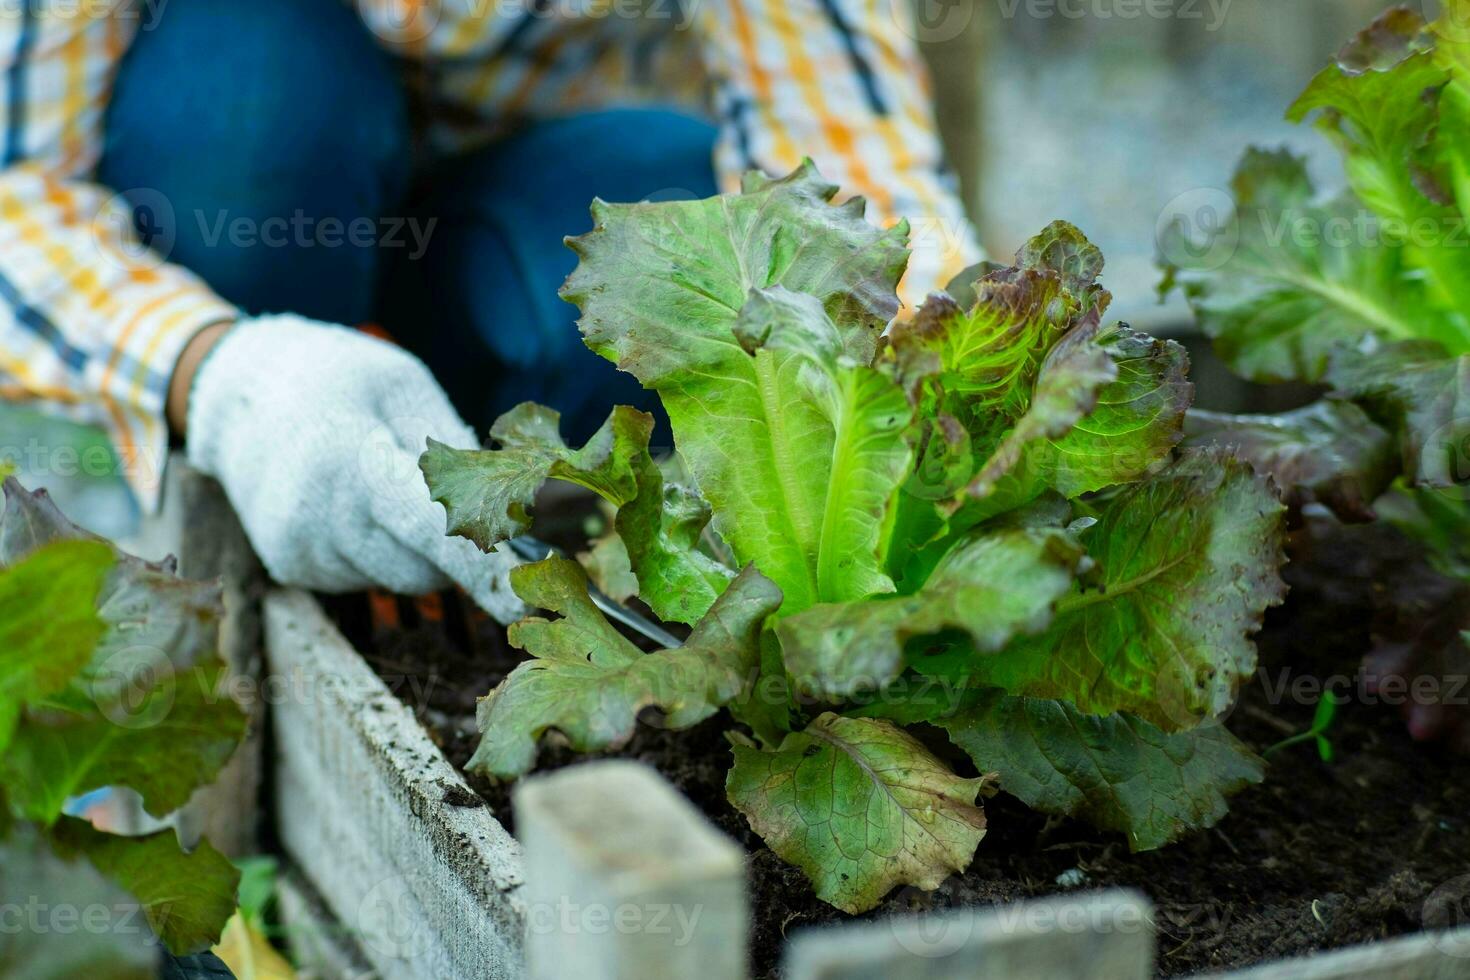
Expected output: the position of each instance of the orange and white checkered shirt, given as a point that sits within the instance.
(91, 322)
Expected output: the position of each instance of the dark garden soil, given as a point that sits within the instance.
(1320, 855)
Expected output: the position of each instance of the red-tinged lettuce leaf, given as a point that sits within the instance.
(146, 709)
(993, 587)
(1188, 562)
(755, 317)
(1079, 436)
(978, 363)
(860, 806)
(49, 625)
(1117, 771)
(1066, 388)
(1329, 452)
(589, 682)
(1423, 395)
(186, 898)
(488, 493)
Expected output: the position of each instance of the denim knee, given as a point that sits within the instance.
(260, 131)
(499, 333)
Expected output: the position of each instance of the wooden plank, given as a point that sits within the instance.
(1078, 936)
(626, 880)
(1441, 955)
(431, 889)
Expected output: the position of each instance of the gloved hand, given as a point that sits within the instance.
(315, 433)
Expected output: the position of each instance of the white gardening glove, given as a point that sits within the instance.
(315, 433)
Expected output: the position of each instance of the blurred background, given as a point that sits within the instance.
(1101, 112)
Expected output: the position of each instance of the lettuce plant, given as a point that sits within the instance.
(978, 520)
(1365, 291)
(110, 678)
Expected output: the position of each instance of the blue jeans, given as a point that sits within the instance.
(266, 146)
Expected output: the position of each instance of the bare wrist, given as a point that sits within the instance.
(182, 382)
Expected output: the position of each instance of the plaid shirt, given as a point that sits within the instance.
(91, 321)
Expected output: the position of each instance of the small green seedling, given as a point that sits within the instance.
(1321, 721)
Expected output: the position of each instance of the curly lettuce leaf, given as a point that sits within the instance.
(148, 610)
(1188, 562)
(1300, 276)
(1421, 394)
(755, 317)
(145, 709)
(33, 868)
(161, 732)
(1329, 452)
(49, 625)
(1117, 772)
(978, 363)
(186, 898)
(589, 682)
(860, 806)
(993, 587)
(487, 495)
(1107, 408)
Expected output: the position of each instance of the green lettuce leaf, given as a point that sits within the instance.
(146, 709)
(1299, 278)
(49, 625)
(767, 392)
(860, 806)
(993, 587)
(144, 725)
(1188, 564)
(488, 494)
(1329, 452)
(1423, 395)
(187, 898)
(1117, 772)
(149, 612)
(589, 682)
